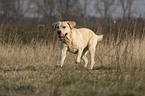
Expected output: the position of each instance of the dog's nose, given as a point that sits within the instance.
(58, 32)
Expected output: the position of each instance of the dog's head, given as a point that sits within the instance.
(63, 28)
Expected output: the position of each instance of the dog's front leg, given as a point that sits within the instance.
(63, 49)
(79, 55)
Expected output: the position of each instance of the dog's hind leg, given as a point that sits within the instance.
(84, 57)
(92, 47)
(92, 53)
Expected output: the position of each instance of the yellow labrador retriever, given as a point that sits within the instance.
(78, 41)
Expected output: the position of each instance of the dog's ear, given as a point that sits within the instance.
(54, 24)
(71, 24)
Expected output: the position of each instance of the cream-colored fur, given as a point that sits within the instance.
(80, 41)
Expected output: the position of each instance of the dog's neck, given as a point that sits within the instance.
(67, 38)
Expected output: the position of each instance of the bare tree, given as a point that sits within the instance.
(36, 8)
(7, 6)
(85, 6)
(13, 9)
(126, 7)
(67, 8)
(62, 9)
(18, 8)
(103, 7)
(48, 8)
(43, 8)
(84, 10)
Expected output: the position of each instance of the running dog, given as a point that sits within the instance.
(80, 41)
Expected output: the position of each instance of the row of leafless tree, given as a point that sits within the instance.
(63, 9)
(104, 7)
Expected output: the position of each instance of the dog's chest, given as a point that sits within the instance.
(72, 46)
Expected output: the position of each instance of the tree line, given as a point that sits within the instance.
(63, 9)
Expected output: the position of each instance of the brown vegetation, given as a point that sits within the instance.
(28, 55)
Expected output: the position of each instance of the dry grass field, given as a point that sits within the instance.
(28, 56)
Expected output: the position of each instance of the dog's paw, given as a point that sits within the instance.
(58, 66)
(85, 65)
(77, 62)
(90, 68)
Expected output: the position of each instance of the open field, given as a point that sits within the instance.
(28, 57)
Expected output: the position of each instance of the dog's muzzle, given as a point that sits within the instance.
(61, 36)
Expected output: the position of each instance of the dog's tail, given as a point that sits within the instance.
(99, 37)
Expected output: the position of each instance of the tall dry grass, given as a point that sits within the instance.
(28, 56)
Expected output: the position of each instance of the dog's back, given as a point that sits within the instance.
(86, 34)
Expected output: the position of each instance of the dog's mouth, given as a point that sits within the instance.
(61, 36)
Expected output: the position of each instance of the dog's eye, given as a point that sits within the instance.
(57, 27)
(64, 27)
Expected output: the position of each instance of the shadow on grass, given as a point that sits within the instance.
(26, 68)
(104, 68)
